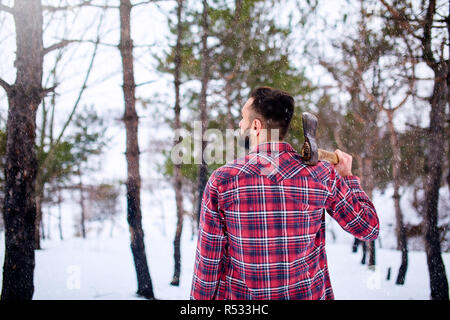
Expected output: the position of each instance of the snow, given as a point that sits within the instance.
(101, 267)
(351, 280)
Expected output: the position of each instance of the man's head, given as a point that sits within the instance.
(266, 115)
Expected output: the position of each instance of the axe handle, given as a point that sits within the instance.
(328, 156)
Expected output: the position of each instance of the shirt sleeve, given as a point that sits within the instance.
(210, 246)
(350, 206)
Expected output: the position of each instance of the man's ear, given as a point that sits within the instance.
(256, 126)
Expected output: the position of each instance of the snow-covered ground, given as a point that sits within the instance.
(101, 267)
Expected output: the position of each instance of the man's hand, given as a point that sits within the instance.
(344, 167)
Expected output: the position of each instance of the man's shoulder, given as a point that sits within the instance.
(322, 171)
(231, 169)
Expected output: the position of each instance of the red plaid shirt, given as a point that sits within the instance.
(262, 226)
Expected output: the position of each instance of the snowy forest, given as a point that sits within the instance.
(96, 96)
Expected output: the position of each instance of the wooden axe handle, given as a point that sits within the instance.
(328, 156)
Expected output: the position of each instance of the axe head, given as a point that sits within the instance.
(309, 152)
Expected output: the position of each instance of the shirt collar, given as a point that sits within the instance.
(272, 147)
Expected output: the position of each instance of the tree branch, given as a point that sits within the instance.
(337, 137)
(88, 3)
(426, 39)
(58, 45)
(5, 85)
(230, 33)
(401, 103)
(144, 83)
(6, 8)
(368, 94)
(53, 8)
(104, 7)
(48, 90)
(145, 2)
(115, 45)
(51, 152)
(398, 16)
(96, 42)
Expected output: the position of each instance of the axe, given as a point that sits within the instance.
(310, 153)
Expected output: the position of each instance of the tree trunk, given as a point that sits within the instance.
(360, 162)
(24, 98)
(402, 242)
(113, 223)
(202, 178)
(177, 168)
(133, 184)
(364, 252)
(194, 221)
(176, 243)
(355, 245)
(38, 221)
(369, 186)
(228, 89)
(372, 255)
(43, 234)
(39, 188)
(48, 223)
(60, 214)
(436, 152)
(82, 206)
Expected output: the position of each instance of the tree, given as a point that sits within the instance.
(382, 95)
(356, 115)
(131, 120)
(103, 204)
(265, 60)
(178, 179)
(427, 26)
(55, 191)
(21, 167)
(87, 139)
(55, 158)
(205, 52)
(242, 60)
(2, 168)
(24, 97)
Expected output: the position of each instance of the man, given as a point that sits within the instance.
(262, 224)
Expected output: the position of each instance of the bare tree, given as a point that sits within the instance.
(381, 100)
(370, 49)
(364, 120)
(178, 178)
(429, 26)
(44, 169)
(131, 120)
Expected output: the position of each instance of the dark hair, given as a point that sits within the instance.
(276, 107)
